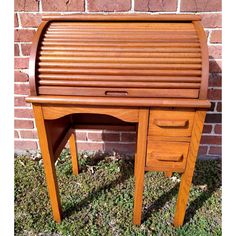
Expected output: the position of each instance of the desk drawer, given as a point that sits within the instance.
(171, 122)
(166, 156)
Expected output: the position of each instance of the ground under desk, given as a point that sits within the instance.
(168, 139)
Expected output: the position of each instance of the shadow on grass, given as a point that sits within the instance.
(160, 202)
(204, 176)
(211, 178)
(125, 174)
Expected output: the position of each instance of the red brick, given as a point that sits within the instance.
(28, 134)
(111, 137)
(213, 118)
(200, 5)
(22, 145)
(26, 5)
(26, 49)
(128, 137)
(63, 5)
(215, 80)
(214, 94)
(21, 76)
(23, 113)
(155, 5)
(21, 63)
(21, 89)
(219, 107)
(120, 147)
(215, 52)
(216, 66)
(207, 129)
(24, 35)
(16, 50)
(87, 146)
(24, 124)
(81, 136)
(20, 102)
(30, 19)
(209, 139)
(218, 129)
(215, 150)
(216, 36)
(16, 135)
(109, 5)
(202, 150)
(212, 20)
(95, 136)
(16, 23)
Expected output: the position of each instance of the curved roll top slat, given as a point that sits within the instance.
(117, 58)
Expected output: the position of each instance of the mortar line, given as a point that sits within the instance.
(122, 12)
(86, 6)
(40, 6)
(178, 6)
(132, 6)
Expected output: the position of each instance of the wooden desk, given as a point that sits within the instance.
(151, 71)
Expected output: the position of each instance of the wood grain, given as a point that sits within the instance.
(118, 92)
(48, 160)
(167, 155)
(168, 174)
(122, 17)
(148, 70)
(119, 101)
(74, 153)
(104, 48)
(67, 48)
(186, 178)
(205, 59)
(171, 122)
(140, 164)
(125, 114)
(33, 57)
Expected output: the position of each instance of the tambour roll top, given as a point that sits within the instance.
(161, 56)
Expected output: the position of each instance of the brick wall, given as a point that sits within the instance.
(27, 18)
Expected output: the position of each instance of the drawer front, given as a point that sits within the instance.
(164, 155)
(171, 122)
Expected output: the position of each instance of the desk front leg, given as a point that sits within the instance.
(186, 179)
(140, 164)
(48, 161)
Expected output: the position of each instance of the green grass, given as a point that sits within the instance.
(100, 200)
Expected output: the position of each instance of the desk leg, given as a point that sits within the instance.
(168, 174)
(74, 154)
(140, 164)
(187, 176)
(48, 161)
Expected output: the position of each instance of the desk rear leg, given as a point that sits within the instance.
(74, 153)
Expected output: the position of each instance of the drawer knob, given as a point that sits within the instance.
(171, 123)
(167, 157)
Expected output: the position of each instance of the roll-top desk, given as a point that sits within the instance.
(147, 70)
